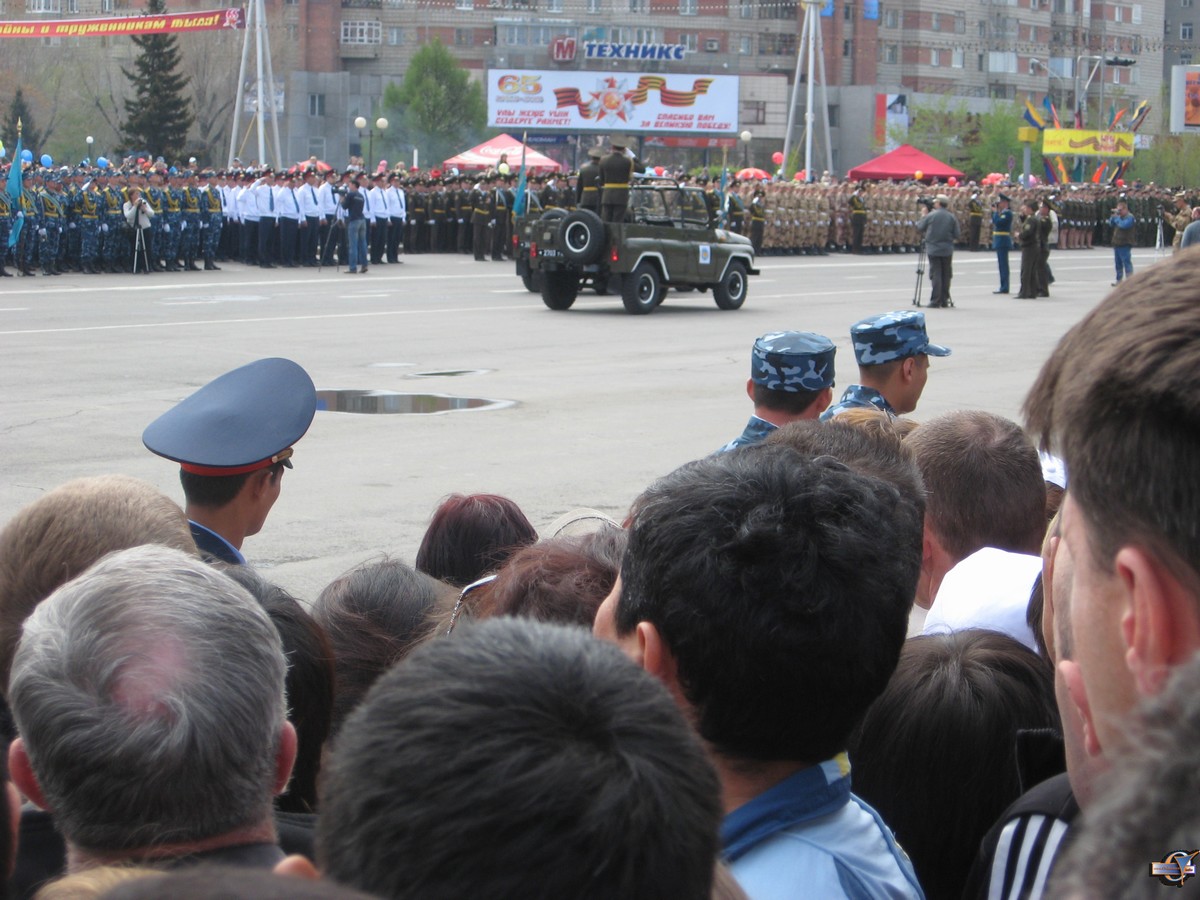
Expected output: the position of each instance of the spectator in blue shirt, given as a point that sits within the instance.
(356, 226)
(1123, 223)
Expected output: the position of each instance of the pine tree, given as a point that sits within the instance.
(158, 117)
(30, 136)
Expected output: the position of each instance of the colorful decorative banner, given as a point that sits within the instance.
(1077, 142)
(612, 101)
(212, 20)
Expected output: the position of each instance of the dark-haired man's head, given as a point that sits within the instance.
(869, 451)
(984, 489)
(519, 759)
(1119, 400)
(772, 592)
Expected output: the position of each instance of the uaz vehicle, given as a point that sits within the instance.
(666, 241)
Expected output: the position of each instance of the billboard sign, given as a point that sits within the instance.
(612, 101)
(1185, 99)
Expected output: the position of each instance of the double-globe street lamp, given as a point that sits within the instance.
(381, 125)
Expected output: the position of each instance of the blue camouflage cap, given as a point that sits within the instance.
(243, 421)
(793, 361)
(891, 336)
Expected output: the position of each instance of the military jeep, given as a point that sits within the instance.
(667, 240)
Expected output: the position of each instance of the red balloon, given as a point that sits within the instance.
(777, 157)
(952, 181)
(1120, 182)
(658, 170)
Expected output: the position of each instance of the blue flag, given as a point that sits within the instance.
(1033, 117)
(14, 193)
(522, 199)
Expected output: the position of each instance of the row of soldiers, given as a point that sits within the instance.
(75, 220)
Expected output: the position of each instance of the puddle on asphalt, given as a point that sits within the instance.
(447, 373)
(393, 403)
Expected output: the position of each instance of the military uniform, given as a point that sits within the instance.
(792, 362)
(88, 208)
(616, 174)
(1002, 220)
(883, 339)
(590, 182)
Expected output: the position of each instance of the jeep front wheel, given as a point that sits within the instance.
(730, 291)
(641, 290)
(559, 289)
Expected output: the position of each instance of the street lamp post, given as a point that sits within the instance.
(746, 138)
(381, 125)
(1100, 62)
(89, 140)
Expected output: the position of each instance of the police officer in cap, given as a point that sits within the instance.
(590, 182)
(791, 378)
(616, 174)
(1002, 225)
(232, 440)
(893, 353)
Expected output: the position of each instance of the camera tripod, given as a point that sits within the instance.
(139, 244)
(921, 260)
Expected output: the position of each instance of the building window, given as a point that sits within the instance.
(464, 4)
(891, 53)
(73, 6)
(935, 58)
(1185, 31)
(745, 45)
(107, 6)
(891, 19)
(316, 104)
(745, 9)
(393, 4)
(554, 6)
(362, 33)
(43, 6)
(594, 6)
(848, 13)
(1185, 59)
(957, 58)
(463, 37)
(1185, 4)
(638, 6)
(935, 22)
(847, 48)
(1001, 62)
(689, 41)
(689, 7)
(1118, 14)
(979, 66)
(754, 112)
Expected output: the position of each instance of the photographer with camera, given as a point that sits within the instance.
(139, 215)
(1123, 223)
(939, 228)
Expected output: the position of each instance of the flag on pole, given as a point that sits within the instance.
(1052, 113)
(1051, 176)
(1078, 118)
(1033, 117)
(1062, 170)
(1099, 175)
(1117, 118)
(522, 199)
(1139, 115)
(14, 191)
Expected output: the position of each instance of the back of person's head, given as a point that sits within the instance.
(935, 755)
(556, 580)
(984, 483)
(1120, 398)
(869, 451)
(149, 694)
(373, 615)
(59, 535)
(1139, 812)
(873, 419)
(309, 685)
(208, 882)
(93, 883)
(519, 759)
(471, 536)
(781, 587)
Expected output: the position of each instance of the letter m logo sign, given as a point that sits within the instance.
(563, 49)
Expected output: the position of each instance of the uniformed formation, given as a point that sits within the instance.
(74, 219)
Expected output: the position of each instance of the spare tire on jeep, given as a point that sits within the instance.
(581, 236)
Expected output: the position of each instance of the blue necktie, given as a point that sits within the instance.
(271, 197)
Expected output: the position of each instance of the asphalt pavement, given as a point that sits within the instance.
(598, 403)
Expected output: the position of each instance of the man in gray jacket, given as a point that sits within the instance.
(939, 227)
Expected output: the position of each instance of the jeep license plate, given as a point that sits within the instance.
(549, 253)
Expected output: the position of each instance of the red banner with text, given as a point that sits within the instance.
(211, 20)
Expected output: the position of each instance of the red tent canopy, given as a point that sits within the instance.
(487, 156)
(903, 162)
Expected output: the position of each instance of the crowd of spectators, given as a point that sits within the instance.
(725, 694)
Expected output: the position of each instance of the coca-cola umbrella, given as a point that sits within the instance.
(752, 174)
(319, 164)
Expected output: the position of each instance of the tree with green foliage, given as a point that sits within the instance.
(977, 143)
(997, 141)
(158, 117)
(1171, 159)
(437, 108)
(30, 136)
